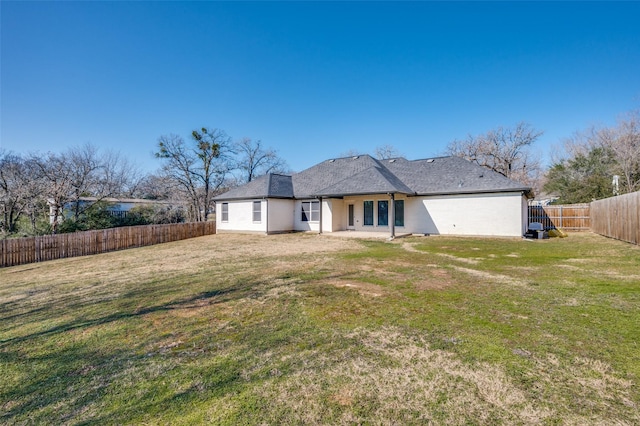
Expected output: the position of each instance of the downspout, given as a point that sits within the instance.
(392, 216)
(266, 205)
(320, 224)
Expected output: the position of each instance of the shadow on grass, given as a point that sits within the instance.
(60, 381)
(235, 292)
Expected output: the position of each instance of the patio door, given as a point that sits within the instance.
(350, 217)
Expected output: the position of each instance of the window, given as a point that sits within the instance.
(398, 212)
(368, 213)
(311, 211)
(257, 211)
(383, 213)
(225, 212)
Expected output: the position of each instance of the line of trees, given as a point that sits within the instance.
(32, 184)
(597, 163)
(191, 173)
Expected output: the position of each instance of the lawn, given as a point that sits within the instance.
(307, 329)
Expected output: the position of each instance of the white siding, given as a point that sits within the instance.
(298, 224)
(241, 216)
(334, 215)
(280, 215)
(503, 214)
(470, 214)
(525, 215)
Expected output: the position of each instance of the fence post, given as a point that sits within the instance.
(561, 225)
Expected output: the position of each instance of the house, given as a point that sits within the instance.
(118, 207)
(444, 195)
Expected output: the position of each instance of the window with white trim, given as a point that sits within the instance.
(310, 211)
(225, 212)
(257, 211)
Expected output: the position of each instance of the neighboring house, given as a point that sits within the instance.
(118, 207)
(543, 199)
(444, 195)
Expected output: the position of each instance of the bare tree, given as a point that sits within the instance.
(254, 160)
(385, 152)
(14, 196)
(118, 176)
(609, 151)
(504, 150)
(624, 142)
(198, 170)
(56, 173)
(84, 169)
(155, 187)
(351, 153)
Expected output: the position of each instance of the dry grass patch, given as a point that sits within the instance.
(492, 277)
(434, 279)
(364, 289)
(401, 379)
(397, 378)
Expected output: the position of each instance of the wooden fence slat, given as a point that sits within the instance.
(20, 251)
(617, 217)
(572, 217)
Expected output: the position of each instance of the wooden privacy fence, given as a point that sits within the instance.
(48, 247)
(570, 217)
(617, 217)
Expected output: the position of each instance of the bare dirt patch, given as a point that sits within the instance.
(503, 279)
(435, 279)
(409, 247)
(365, 289)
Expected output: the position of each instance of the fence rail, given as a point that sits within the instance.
(48, 247)
(617, 217)
(571, 217)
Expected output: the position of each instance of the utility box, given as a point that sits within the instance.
(536, 231)
(542, 235)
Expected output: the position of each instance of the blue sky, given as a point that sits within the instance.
(312, 80)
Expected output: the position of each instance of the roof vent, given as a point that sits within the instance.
(392, 161)
(356, 157)
(332, 160)
(430, 160)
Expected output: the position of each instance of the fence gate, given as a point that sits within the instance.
(570, 217)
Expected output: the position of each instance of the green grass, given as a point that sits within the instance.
(306, 329)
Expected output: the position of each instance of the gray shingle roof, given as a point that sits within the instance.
(363, 174)
(267, 186)
(450, 175)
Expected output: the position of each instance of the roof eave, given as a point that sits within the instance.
(256, 197)
(355, 194)
(526, 191)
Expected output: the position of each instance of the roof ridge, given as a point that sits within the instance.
(347, 178)
(269, 184)
(395, 177)
(382, 171)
